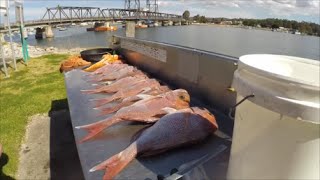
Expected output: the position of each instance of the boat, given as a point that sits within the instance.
(104, 28)
(83, 24)
(62, 29)
(142, 26)
(30, 33)
(297, 32)
(90, 29)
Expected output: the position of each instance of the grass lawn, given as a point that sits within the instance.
(27, 92)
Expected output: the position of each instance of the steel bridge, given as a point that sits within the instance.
(62, 14)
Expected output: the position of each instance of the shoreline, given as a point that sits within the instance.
(247, 27)
(35, 51)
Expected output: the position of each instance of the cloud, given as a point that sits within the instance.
(290, 9)
(249, 8)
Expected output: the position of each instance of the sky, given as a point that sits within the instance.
(300, 10)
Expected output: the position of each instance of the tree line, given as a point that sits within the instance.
(273, 23)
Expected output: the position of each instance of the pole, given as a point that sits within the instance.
(24, 43)
(10, 37)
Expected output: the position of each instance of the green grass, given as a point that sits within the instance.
(27, 92)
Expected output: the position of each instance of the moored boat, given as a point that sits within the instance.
(104, 28)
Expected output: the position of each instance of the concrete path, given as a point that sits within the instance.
(49, 150)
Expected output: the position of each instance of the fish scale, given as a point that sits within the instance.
(118, 85)
(180, 128)
(131, 100)
(107, 69)
(130, 91)
(142, 111)
(122, 72)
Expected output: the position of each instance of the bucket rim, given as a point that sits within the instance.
(248, 62)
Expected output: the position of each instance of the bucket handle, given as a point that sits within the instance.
(233, 108)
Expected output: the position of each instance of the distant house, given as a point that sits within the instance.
(237, 23)
(226, 22)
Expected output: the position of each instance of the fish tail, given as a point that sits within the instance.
(115, 108)
(89, 91)
(100, 102)
(95, 128)
(109, 110)
(117, 163)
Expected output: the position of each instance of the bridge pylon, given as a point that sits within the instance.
(152, 5)
(132, 4)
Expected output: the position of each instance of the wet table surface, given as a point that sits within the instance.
(206, 160)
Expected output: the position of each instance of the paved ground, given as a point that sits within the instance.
(49, 150)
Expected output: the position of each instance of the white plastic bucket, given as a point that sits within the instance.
(276, 133)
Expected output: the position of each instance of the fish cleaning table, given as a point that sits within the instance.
(206, 160)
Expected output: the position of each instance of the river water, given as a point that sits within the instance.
(224, 40)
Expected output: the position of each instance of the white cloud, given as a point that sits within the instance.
(270, 8)
(291, 7)
(306, 9)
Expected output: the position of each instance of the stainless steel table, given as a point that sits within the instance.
(207, 160)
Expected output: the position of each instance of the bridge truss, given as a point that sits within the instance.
(76, 14)
(63, 14)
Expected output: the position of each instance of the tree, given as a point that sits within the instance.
(196, 18)
(216, 20)
(275, 26)
(203, 19)
(186, 15)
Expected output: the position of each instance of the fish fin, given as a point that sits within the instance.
(169, 110)
(116, 163)
(131, 99)
(139, 133)
(144, 90)
(112, 109)
(144, 96)
(108, 110)
(97, 127)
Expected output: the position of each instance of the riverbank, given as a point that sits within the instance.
(288, 31)
(35, 51)
(233, 26)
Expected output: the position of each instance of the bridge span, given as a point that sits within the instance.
(62, 15)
